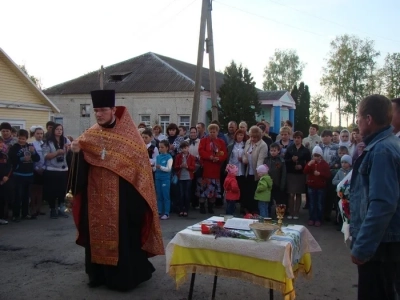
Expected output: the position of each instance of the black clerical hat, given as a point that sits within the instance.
(103, 98)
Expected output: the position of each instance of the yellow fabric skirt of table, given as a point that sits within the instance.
(269, 274)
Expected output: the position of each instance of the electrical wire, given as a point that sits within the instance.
(168, 19)
(270, 19)
(332, 22)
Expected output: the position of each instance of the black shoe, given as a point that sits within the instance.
(95, 283)
(28, 217)
(305, 207)
(202, 208)
(53, 214)
(16, 219)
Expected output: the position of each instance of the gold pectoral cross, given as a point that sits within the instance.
(103, 153)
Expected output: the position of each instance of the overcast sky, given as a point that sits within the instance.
(62, 40)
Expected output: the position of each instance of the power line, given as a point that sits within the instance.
(270, 19)
(168, 19)
(332, 22)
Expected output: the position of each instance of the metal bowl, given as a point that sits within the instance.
(263, 231)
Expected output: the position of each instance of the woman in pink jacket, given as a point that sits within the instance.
(231, 187)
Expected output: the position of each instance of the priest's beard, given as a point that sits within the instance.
(107, 123)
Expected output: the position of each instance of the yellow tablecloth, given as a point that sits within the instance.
(266, 273)
(269, 264)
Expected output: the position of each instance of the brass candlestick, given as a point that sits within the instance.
(280, 213)
(69, 197)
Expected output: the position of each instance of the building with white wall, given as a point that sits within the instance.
(155, 89)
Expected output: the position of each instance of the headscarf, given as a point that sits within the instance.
(346, 144)
(232, 169)
(34, 127)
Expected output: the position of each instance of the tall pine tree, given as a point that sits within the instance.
(301, 97)
(239, 97)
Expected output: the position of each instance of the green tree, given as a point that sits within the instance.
(239, 97)
(318, 107)
(283, 71)
(36, 81)
(350, 73)
(301, 97)
(391, 75)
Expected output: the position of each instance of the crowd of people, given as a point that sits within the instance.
(249, 170)
(32, 171)
(200, 168)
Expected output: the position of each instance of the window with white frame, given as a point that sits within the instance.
(164, 122)
(184, 121)
(85, 110)
(58, 120)
(145, 119)
(17, 124)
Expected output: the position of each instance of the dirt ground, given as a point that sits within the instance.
(40, 260)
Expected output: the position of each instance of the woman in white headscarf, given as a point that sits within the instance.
(344, 140)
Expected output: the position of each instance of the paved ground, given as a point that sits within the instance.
(39, 260)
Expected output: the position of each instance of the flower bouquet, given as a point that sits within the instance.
(343, 191)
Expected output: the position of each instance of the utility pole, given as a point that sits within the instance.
(210, 51)
(200, 55)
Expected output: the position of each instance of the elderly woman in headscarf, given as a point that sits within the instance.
(254, 153)
(345, 140)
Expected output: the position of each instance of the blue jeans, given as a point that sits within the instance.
(263, 208)
(185, 187)
(163, 197)
(230, 207)
(316, 197)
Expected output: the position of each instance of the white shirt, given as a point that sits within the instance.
(237, 152)
(155, 154)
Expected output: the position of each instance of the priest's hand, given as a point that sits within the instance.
(75, 146)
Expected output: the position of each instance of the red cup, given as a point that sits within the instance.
(221, 223)
(205, 229)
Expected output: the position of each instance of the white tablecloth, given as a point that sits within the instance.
(271, 250)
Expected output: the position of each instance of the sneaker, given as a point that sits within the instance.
(295, 217)
(317, 224)
(310, 223)
(53, 214)
(165, 217)
(3, 222)
(289, 217)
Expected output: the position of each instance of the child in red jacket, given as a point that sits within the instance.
(318, 175)
(184, 166)
(232, 191)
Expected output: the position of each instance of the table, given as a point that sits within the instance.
(273, 264)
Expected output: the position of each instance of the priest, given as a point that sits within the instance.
(114, 204)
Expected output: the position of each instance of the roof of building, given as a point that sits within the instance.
(149, 72)
(10, 63)
(270, 95)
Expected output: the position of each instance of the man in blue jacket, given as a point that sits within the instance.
(374, 204)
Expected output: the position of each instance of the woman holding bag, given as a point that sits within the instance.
(56, 174)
